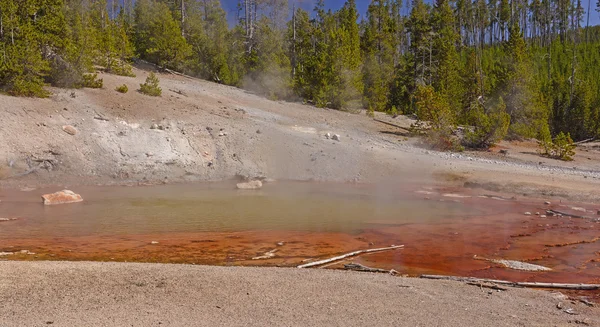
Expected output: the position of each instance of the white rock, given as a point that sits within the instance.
(328, 136)
(527, 213)
(336, 137)
(251, 185)
(154, 242)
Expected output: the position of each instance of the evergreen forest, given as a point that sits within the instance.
(512, 69)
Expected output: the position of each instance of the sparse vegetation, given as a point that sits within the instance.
(122, 89)
(92, 81)
(562, 147)
(150, 87)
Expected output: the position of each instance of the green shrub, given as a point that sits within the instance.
(122, 89)
(123, 69)
(489, 127)
(151, 86)
(562, 147)
(28, 86)
(433, 111)
(92, 81)
(371, 112)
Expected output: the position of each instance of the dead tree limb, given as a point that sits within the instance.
(585, 141)
(566, 214)
(358, 267)
(515, 284)
(488, 285)
(351, 254)
(387, 123)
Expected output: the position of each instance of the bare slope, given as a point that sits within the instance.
(205, 131)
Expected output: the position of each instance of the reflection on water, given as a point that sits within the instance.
(218, 208)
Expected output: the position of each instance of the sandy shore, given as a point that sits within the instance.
(122, 294)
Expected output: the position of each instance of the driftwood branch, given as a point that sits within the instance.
(585, 141)
(358, 267)
(515, 284)
(101, 118)
(391, 124)
(351, 254)
(566, 214)
(487, 285)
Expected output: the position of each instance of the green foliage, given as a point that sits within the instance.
(488, 127)
(434, 111)
(92, 81)
(122, 89)
(150, 87)
(561, 148)
(371, 112)
(435, 59)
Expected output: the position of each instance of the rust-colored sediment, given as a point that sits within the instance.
(570, 246)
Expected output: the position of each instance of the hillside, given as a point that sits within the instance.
(133, 138)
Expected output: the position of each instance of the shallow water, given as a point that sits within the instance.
(219, 207)
(445, 230)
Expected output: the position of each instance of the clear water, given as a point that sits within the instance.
(291, 206)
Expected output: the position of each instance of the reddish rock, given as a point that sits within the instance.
(64, 196)
(70, 129)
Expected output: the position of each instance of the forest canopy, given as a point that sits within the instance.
(507, 68)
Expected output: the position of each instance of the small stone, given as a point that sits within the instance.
(149, 154)
(328, 136)
(527, 213)
(547, 203)
(258, 131)
(69, 129)
(336, 137)
(280, 243)
(543, 216)
(549, 213)
(154, 242)
(221, 133)
(62, 197)
(154, 126)
(537, 213)
(251, 185)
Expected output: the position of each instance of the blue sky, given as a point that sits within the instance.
(230, 7)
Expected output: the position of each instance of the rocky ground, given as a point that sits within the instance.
(118, 294)
(201, 131)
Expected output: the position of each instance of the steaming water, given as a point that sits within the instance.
(219, 207)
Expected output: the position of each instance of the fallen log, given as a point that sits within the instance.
(351, 254)
(515, 284)
(585, 141)
(358, 267)
(391, 124)
(556, 212)
(488, 285)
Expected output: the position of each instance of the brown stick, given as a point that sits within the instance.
(566, 214)
(397, 126)
(351, 254)
(585, 141)
(492, 286)
(516, 284)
